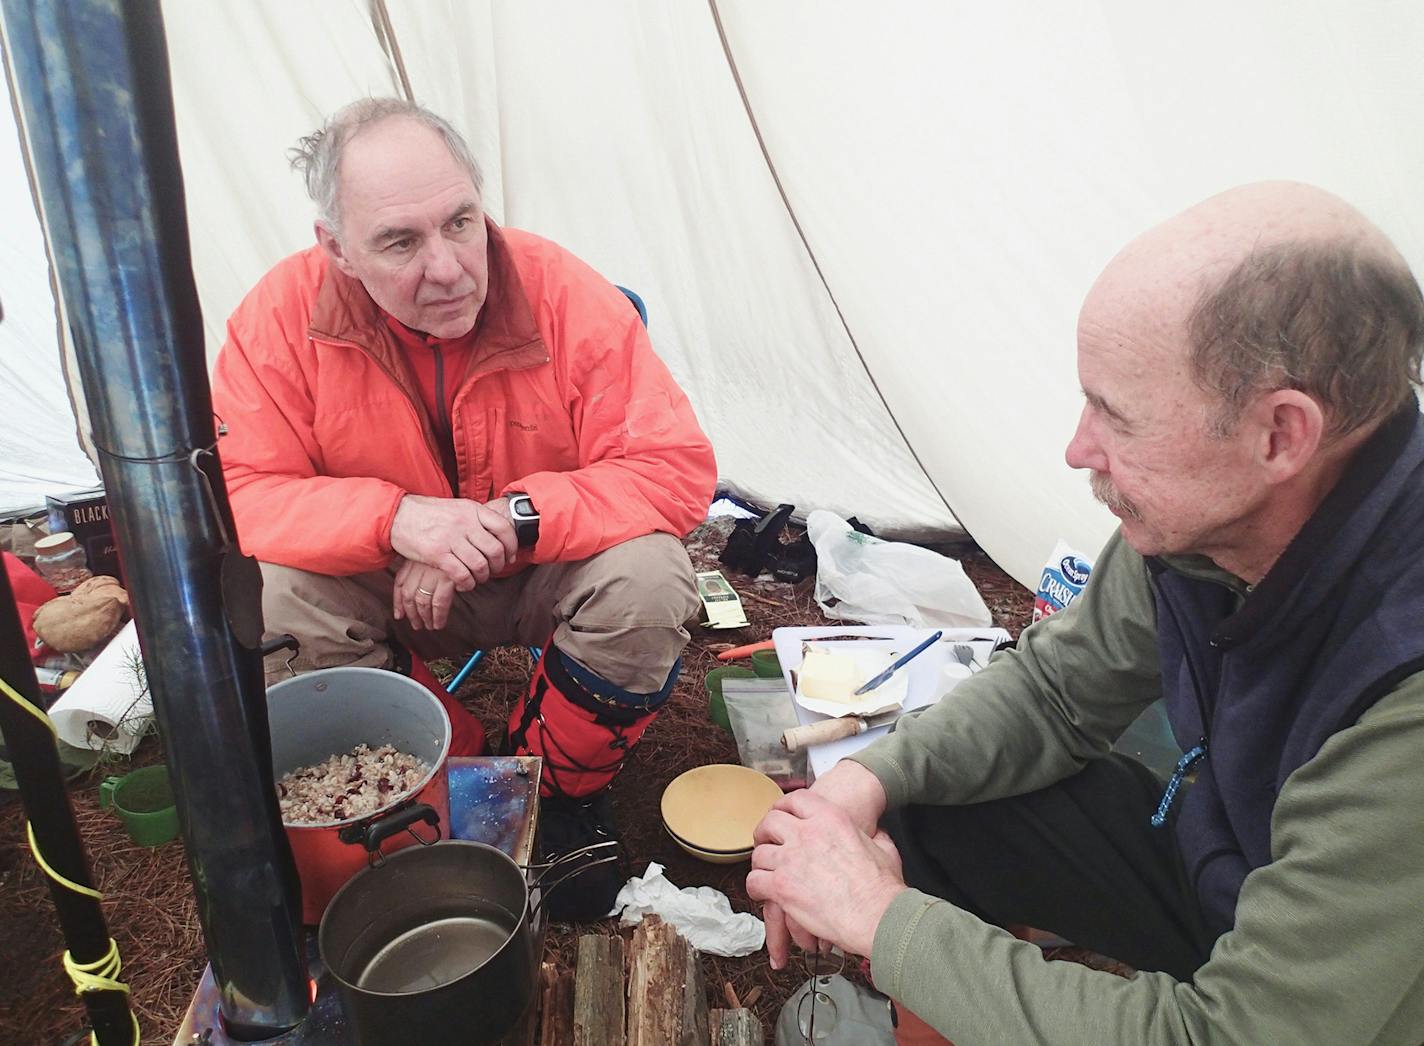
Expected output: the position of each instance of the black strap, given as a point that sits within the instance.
(532, 704)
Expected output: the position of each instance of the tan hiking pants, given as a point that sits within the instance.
(620, 614)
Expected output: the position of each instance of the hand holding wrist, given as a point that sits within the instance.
(825, 877)
(464, 540)
(856, 790)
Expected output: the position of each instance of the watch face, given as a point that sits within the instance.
(526, 519)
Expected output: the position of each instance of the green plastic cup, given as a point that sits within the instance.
(144, 802)
(766, 664)
(716, 705)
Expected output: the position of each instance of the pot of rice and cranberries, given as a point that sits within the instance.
(358, 757)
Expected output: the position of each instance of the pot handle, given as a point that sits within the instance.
(545, 867)
(285, 641)
(371, 834)
(558, 863)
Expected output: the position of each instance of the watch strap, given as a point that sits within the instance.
(525, 518)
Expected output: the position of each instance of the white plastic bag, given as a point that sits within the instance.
(863, 578)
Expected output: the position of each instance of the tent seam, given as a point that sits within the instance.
(815, 262)
(386, 37)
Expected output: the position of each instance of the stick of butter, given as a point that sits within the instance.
(825, 676)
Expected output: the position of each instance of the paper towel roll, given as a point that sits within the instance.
(108, 708)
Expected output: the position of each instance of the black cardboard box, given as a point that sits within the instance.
(85, 514)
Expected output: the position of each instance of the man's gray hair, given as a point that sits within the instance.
(1342, 321)
(318, 155)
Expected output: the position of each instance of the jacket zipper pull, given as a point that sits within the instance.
(1184, 766)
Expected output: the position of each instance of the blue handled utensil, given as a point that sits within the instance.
(877, 680)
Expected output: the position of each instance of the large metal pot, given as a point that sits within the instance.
(329, 712)
(436, 945)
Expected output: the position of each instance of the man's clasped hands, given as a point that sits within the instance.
(823, 869)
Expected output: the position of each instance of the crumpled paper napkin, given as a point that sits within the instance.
(701, 914)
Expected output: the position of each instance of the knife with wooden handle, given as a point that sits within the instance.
(826, 730)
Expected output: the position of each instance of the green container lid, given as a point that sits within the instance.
(716, 706)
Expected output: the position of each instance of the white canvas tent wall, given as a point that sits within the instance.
(39, 446)
(866, 270)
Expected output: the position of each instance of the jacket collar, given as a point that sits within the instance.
(1333, 538)
(505, 335)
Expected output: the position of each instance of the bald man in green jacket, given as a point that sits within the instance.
(1249, 370)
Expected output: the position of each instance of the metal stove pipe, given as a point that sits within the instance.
(92, 78)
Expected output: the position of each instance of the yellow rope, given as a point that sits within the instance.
(68, 884)
(101, 975)
(19, 699)
(137, 1032)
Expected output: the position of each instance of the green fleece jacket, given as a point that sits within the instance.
(1328, 945)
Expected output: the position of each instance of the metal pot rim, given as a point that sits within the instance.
(520, 922)
(437, 767)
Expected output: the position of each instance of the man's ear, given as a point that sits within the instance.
(329, 243)
(1291, 429)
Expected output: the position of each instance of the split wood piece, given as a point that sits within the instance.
(656, 965)
(557, 1006)
(694, 1000)
(734, 1028)
(598, 992)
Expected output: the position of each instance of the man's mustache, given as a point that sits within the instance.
(1106, 492)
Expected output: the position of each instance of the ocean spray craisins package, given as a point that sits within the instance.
(1063, 577)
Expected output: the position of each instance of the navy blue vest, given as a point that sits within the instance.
(1336, 624)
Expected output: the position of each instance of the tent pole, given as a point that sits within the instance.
(93, 81)
(32, 751)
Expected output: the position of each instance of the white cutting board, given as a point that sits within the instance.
(926, 679)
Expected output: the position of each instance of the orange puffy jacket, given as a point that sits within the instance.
(563, 399)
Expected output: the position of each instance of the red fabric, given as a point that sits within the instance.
(455, 358)
(911, 1031)
(562, 398)
(31, 593)
(583, 744)
(467, 734)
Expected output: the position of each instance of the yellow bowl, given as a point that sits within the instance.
(712, 856)
(710, 811)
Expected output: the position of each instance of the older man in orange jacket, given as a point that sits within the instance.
(442, 434)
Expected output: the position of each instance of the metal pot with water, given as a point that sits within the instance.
(438, 945)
